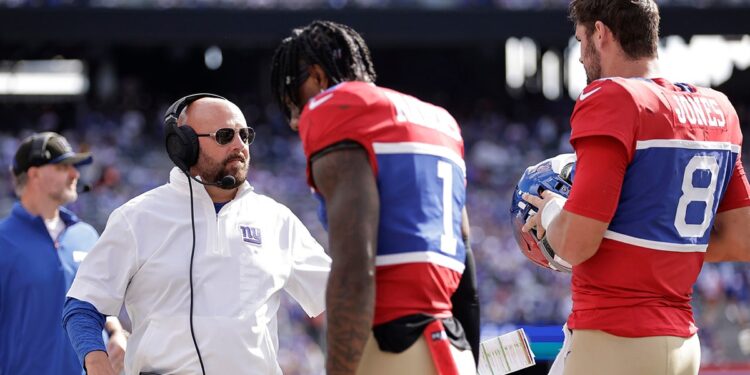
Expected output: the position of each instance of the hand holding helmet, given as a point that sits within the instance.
(551, 179)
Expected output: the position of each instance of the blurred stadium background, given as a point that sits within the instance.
(102, 72)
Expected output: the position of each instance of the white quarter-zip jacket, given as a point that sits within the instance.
(244, 256)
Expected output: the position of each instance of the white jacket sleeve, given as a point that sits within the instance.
(310, 267)
(106, 271)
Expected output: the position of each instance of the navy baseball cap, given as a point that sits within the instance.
(47, 148)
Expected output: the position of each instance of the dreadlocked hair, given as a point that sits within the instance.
(337, 49)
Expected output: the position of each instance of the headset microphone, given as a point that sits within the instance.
(84, 188)
(226, 182)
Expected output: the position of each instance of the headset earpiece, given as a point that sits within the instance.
(39, 153)
(182, 145)
(181, 142)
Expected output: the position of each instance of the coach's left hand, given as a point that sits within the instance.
(118, 342)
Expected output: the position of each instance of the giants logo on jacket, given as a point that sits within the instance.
(250, 234)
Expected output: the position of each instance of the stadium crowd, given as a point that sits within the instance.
(130, 159)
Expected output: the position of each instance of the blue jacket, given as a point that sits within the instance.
(35, 274)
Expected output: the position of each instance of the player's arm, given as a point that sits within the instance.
(602, 130)
(574, 237)
(576, 230)
(729, 239)
(465, 299)
(729, 234)
(345, 179)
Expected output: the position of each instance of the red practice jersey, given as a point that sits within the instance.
(682, 145)
(416, 151)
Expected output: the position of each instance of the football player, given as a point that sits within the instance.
(659, 189)
(389, 169)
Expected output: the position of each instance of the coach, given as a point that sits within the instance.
(41, 246)
(199, 262)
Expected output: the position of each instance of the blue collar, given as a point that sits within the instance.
(218, 206)
(20, 212)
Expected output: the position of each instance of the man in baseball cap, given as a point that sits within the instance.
(42, 245)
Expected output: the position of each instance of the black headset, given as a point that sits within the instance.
(181, 141)
(38, 154)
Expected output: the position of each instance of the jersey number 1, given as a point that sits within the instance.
(447, 240)
(691, 193)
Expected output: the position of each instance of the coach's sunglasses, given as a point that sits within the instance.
(225, 136)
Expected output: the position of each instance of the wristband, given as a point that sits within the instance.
(551, 210)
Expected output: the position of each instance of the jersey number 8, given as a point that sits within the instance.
(691, 193)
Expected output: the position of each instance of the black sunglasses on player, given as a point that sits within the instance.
(225, 136)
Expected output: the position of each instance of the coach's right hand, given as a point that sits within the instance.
(97, 363)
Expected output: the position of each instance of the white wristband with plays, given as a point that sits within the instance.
(551, 210)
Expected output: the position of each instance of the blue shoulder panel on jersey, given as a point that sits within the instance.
(422, 197)
(670, 194)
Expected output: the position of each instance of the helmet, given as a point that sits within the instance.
(555, 174)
